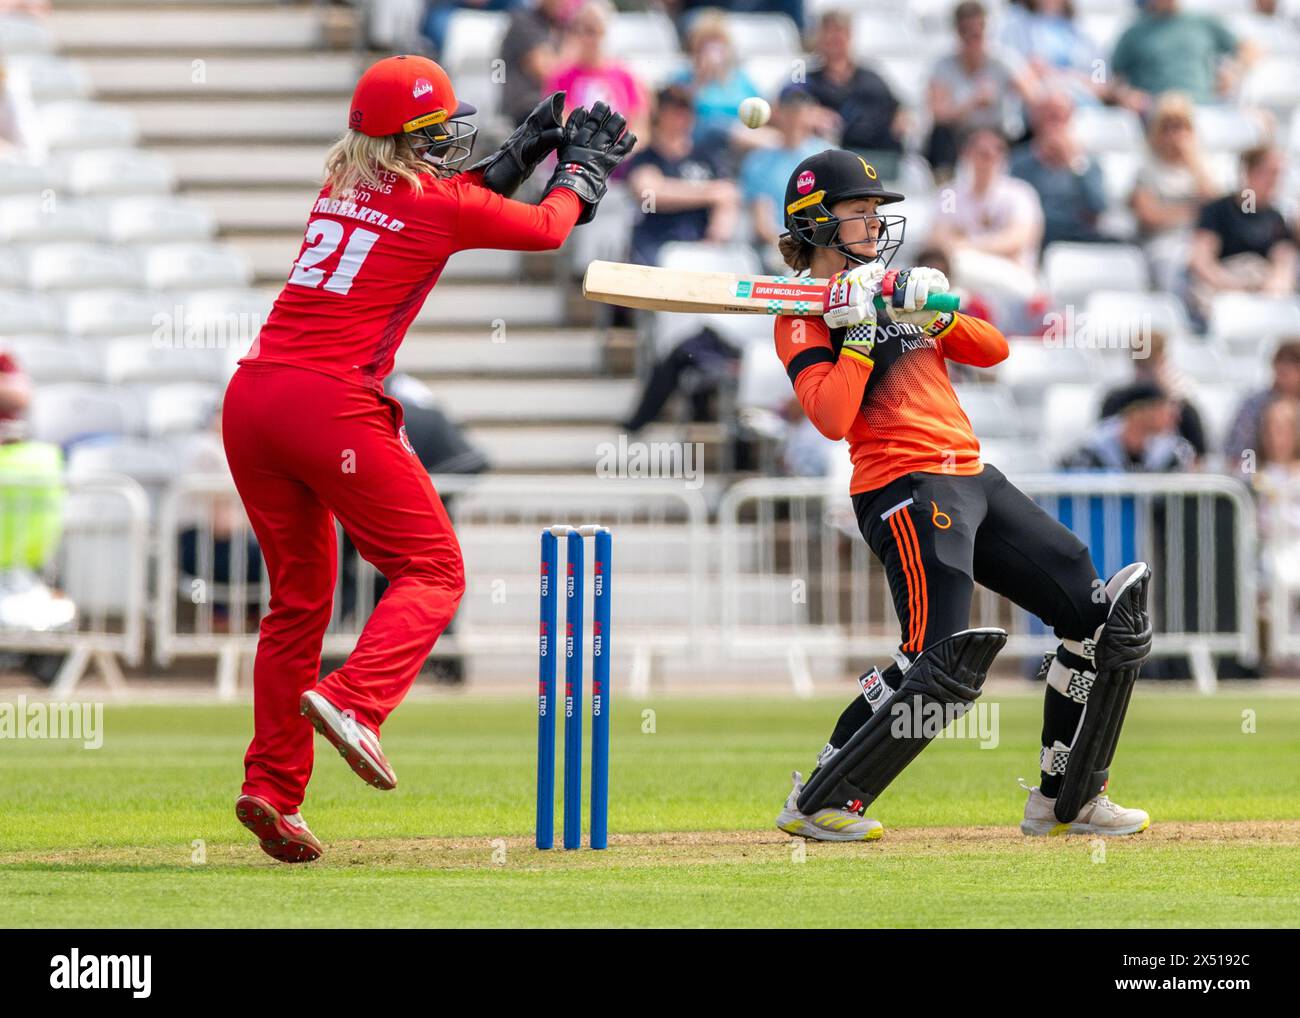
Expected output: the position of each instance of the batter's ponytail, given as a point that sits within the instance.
(794, 252)
(357, 160)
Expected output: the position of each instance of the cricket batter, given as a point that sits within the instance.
(311, 437)
(940, 520)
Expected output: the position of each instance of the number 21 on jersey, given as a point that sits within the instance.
(323, 238)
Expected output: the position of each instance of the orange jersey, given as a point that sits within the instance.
(896, 407)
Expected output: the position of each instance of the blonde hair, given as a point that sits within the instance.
(709, 25)
(357, 159)
(1171, 106)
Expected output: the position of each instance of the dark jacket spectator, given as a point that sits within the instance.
(531, 53)
(1139, 437)
(863, 112)
(680, 187)
(1157, 369)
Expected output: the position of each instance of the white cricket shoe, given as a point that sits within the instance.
(356, 743)
(1098, 816)
(825, 824)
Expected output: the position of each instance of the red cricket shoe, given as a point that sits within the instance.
(356, 743)
(282, 836)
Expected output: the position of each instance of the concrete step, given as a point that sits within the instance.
(144, 29)
(437, 356)
(477, 307)
(273, 165)
(552, 447)
(230, 120)
(282, 210)
(491, 400)
(185, 74)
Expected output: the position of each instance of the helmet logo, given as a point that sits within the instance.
(354, 119)
(868, 168)
(805, 182)
(422, 87)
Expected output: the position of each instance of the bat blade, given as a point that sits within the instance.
(660, 289)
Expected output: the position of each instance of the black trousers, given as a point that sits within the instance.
(940, 534)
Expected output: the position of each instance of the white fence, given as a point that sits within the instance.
(798, 580)
(781, 581)
(99, 564)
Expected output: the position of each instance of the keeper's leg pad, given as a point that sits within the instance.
(1122, 644)
(948, 673)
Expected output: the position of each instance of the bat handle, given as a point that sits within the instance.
(935, 302)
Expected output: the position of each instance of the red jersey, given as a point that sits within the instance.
(369, 259)
(896, 407)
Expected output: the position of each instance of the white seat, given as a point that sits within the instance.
(80, 124)
(1117, 313)
(35, 219)
(770, 72)
(672, 327)
(22, 34)
(473, 40)
(638, 32)
(51, 78)
(25, 312)
(13, 270)
(26, 178)
(758, 34)
(1069, 413)
(1119, 172)
(194, 266)
(1272, 82)
(228, 320)
(1014, 456)
(81, 266)
(1228, 128)
(1108, 129)
(992, 410)
(897, 25)
(74, 410)
(152, 465)
(120, 171)
(49, 360)
(158, 220)
(140, 359)
(1033, 366)
(181, 408)
(764, 384)
(1248, 318)
(654, 71)
(1073, 271)
(97, 313)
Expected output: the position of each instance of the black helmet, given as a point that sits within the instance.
(834, 176)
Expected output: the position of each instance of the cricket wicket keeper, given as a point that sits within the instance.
(311, 437)
(940, 520)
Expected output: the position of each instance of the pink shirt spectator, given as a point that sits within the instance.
(609, 82)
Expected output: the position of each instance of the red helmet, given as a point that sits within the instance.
(403, 94)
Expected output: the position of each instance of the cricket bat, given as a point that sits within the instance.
(727, 293)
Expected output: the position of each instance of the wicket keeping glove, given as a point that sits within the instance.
(595, 142)
(850, 296)
(905, 293)
(533, 140)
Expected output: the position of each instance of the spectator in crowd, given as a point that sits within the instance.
(15, 395)
(764, 172)
(988, 211)
(1276, 483)
(856, 104)
(1068, 181)
(1058, 52)
(1242, 243)
(1168, 50)
(1172, 185)
(794, 9)
(588, 75)
(531, 53)
(680, 186)
(387, 20)
(978, 86)
(1140, 436)
(1156, 368)
(1241, 448)
(716, 85)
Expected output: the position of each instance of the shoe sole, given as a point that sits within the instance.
(811, 832)
(278, 839)
(1043, 828)
(361, 765)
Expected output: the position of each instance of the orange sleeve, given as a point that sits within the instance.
(488, 220)
(829, 388)
(973, 341)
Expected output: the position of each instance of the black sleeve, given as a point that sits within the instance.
(1192, 428)
(1211, 216)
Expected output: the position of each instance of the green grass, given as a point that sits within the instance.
(141, 832)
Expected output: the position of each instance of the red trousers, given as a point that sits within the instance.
(305, 449)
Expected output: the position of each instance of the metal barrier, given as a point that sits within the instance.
(87, 540)
(1280, 566)
(798, 580)
(211, 591)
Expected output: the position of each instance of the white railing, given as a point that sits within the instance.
(98, 562)
(210, 608)
(797, 579)
(1280, 566)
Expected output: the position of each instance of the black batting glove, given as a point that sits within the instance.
(595, 141)
(533, 140)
